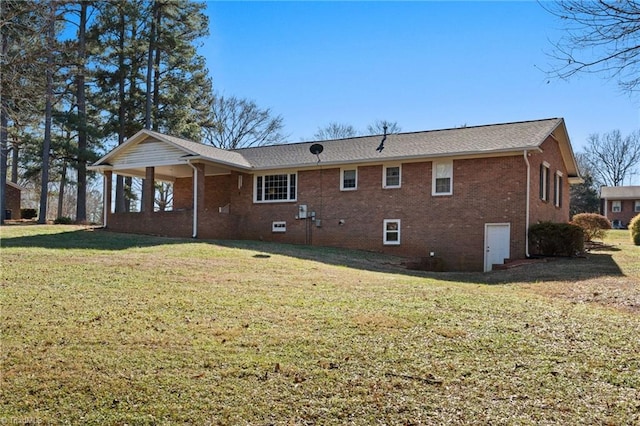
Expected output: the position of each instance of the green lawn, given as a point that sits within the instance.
(104, 328)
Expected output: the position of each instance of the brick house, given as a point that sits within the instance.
(620, 204)
(465, 196)
(13, 193)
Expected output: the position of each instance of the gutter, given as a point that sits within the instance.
(526, 215)
(195, 199)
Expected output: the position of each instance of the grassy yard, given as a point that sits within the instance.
(104, 328)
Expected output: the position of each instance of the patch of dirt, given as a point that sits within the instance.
(618, 292)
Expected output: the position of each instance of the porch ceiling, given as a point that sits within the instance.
(171, 172)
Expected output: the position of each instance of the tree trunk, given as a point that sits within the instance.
(120, 201)
(15, 157)
(63, 184)
(44, 188)
(81, 206)
(3, 159)
(149, 82)
(4, 121)
(156, 71)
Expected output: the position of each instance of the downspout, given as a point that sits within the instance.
(195, 199)
(105, 198)
(526, 215)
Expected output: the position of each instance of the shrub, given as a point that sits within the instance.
(63, 221)
(28, 213)
(555, 239)
(594, 225)
(634, 228)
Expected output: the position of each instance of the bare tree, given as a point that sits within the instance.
(601, 37)
(613, 159)
(377, 127)
(335, 130)
(240, 123)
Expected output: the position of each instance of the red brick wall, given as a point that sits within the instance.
(485, 190)
(168, 224)
(182, 193)
(542, 211)
(626, 213)
(13, 201)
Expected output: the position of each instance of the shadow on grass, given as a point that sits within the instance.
(89, 238)
(553, 269)
(596, 264)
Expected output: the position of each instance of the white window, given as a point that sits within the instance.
(636, 208)
(279, 226)
(391, 232)
(616, 206)
(557, 190)
(442, 178)
(391, 176)
(275, 188)
(348, 179)
(544, 181)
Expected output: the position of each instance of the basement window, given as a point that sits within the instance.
(279, 226)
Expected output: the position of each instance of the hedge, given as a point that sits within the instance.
(555, 239)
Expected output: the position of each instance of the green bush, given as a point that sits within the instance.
(63, 221)
(594, 225)
(555, 239)
(28, 213)
(634, 228)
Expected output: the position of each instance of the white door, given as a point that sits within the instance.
(496, 244)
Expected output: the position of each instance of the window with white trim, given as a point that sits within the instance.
(391, 232)
(616, 206)
(275, 188)
(442, 178)
(557, 189)
(636, 208)
(544, 181)
(391, 176)
(348, 179)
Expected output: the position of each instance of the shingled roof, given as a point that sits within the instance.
(484, 140)
(461, 141)
(620, 192)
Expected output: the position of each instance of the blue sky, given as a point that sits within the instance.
(425, 65)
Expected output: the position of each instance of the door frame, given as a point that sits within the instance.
(486, 267)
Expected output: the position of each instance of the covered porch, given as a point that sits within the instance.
(200, 206)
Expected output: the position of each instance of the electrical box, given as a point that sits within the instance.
(302, 211)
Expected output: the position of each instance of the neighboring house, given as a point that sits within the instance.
(13, 196)
(620, 204)
(465, 196)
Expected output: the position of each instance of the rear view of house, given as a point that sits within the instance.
(465, 196)
(620, 204)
